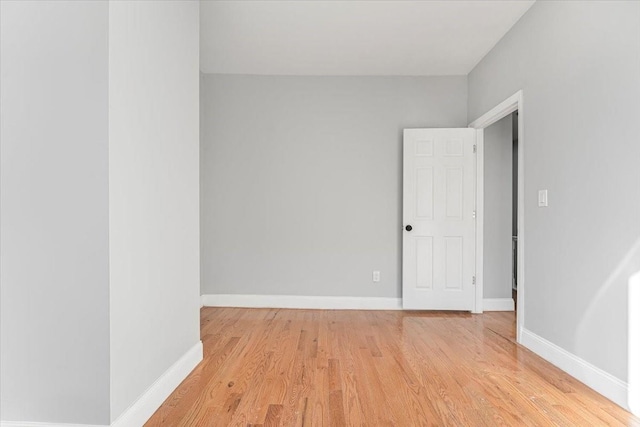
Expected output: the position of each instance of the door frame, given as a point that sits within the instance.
(500, 111)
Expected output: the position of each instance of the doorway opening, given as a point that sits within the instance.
(500, 215)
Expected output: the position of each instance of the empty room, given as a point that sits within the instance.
(319, 213)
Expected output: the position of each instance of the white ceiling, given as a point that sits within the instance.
(352, 37)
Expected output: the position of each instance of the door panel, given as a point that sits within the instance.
(438, 260)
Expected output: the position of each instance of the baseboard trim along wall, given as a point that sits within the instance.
(41, 424)
(498, 304)
(142, 409)
(604, 383)
(299, 301)
(327, 303)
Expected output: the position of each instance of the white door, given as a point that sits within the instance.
(438, 244)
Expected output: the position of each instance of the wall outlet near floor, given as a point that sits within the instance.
(376, 276)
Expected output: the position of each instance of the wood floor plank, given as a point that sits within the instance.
(277, 367)
(273, 416)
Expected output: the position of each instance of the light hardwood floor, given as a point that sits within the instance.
(273, 367)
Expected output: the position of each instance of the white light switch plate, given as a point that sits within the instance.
(376, 276)
(543, 200)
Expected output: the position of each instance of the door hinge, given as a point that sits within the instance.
(473, 215)
(475, 148)
(473, 280)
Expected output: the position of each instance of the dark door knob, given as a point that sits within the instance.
(408, 228)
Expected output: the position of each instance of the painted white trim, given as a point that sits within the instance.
(299, 301)
(41, 424)
(498, 112)
(142, 409)
(479, 221)
(633, 360)
(498, 304)
(514, 103)
(604, 383)
(521, 230)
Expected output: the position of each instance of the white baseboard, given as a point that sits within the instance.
(40, 424)
(604, 383)
(298, 301)
(142, 409)
(498, 304)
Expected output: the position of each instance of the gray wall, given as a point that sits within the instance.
(54, 350)
(498, 147)
(301, 179)
(100, 204)
(579, 66)
(153, 191)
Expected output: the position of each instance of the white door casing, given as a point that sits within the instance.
(514, 103)
(438, 253)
